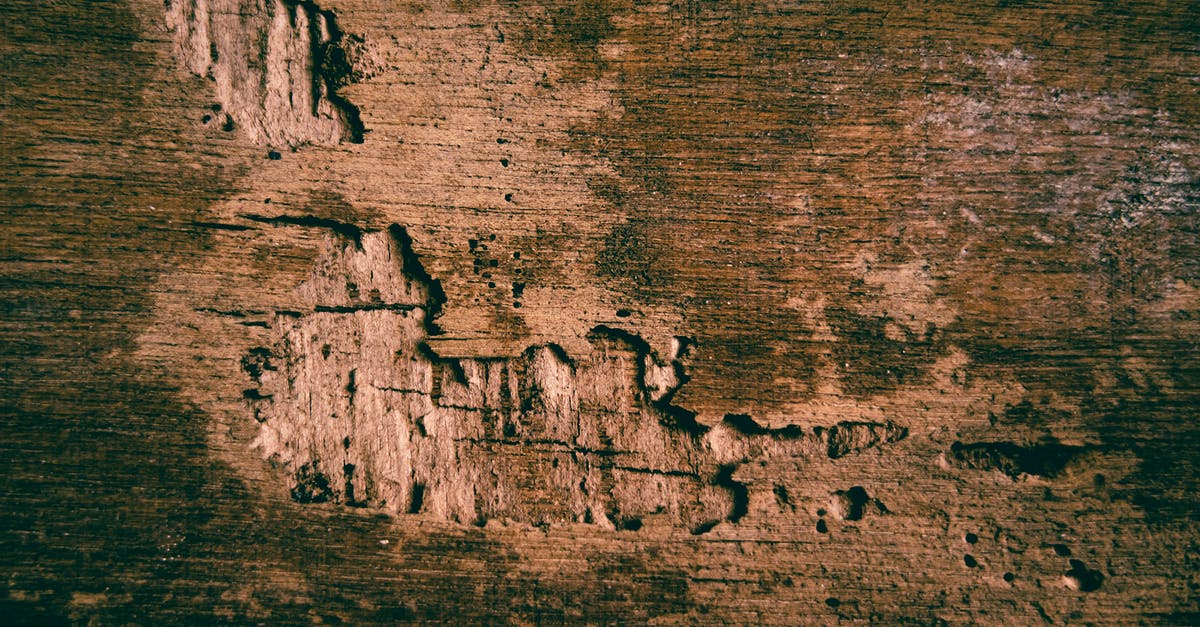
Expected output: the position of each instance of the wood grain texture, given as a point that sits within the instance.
(974, 221)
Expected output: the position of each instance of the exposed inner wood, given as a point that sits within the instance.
(356, 406)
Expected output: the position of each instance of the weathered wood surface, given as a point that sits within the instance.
(676, 312)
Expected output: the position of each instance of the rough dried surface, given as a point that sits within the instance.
(356, 406)
(276, 66)
(970, 224)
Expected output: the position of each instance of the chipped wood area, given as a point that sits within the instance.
(577, 311)
(356, 407)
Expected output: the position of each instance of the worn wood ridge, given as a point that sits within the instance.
(585, 311)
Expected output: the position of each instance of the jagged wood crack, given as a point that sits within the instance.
(359, 410)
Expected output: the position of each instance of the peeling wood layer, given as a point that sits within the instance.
(359, 410)
(276, 66)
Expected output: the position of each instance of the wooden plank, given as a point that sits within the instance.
(677, 312)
